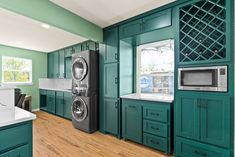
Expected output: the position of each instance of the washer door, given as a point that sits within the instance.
(79, 69)
(79, 110)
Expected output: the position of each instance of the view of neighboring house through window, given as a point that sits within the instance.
(155, 68)
(16, 70)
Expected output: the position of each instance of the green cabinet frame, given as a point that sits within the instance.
(59, 103)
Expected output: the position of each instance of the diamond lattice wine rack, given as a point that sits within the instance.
(203, 31)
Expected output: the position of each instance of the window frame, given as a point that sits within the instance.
(138, 64)
(18, 83)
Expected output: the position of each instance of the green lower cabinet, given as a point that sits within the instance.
(51, 102)
(148, 123)
(60, 103)
(18, 152)
(67, 105)
(132, 122)
(16, 140)
(111, 116)
(155, 142)
(189, 148)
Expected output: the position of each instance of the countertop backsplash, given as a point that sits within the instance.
(63, 84)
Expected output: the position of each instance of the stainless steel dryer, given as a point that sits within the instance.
(85, 91)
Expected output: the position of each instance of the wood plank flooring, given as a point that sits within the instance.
(56, 137)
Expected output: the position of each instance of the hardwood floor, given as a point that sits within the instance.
(56, 137)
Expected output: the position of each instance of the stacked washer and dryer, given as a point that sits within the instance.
(85, 91)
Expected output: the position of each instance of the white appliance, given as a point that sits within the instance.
(7, 97)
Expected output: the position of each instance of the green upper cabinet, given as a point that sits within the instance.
(61, 64)
(50, 65)
(68, 52)
(77, 48)
(215, 119)
(187, 115)
(68, 105)
(158, 20)
(111, 116)
(203, 117)
(56, 64)
(111, 80)
(91, 45)
(131, 29)
(132, 121)
(149, 23)
(111, 44)
(204, 32)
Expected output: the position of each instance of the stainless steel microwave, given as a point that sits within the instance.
(203, 78)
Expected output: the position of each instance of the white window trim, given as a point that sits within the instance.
(17, 83)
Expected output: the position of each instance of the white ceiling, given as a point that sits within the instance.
(23, 32)
(107, 12)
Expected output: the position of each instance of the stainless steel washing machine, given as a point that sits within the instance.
(85, 91)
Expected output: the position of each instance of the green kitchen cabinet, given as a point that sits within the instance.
(188, 148)
(68, 64)
(130, 29)
(204, 39)
(68, 52)
(157, 20)
(50, 65)
(68, 105)
(51, 101)
(187, 111)
(111, 80)
(61, 64)
(111, 45)
(215, 119)
(77, 48)
(16, 140)
(56, 64)
(84, 46)
(111, 107)
(132, 122)
(60, 103)
(91, 45)
(203, 117)
(43, 99)
(21, 151)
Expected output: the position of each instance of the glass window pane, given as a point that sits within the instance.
(156, 68)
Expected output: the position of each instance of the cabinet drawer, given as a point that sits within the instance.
(23, 151)
(156, 114)
(51, 93)
(188, 148)
(155, 142)
(155, 128)
(43, 92)
(15, 136)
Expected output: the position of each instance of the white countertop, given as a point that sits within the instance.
(55, 89)
(149, 97)
(3, 87)
(14, 115)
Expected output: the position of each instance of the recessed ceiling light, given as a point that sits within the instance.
(46, 26)
(18, 43)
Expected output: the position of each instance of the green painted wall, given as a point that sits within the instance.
(48, 12)
(39, 62)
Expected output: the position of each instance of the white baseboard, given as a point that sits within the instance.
(35, 110)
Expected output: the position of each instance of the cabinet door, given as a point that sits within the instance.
(43, 100)
(84, 46)
(22, 151)
(111, 80)
(50, 65)
(51, 103)
(187, 115)
(67, 105)
(77, 48)
(61, 64)
(215, 119)
(111, 42)
(68, 52)
(60, 103)
(132, 122)
(111, 116)
(131, 29)
(68, 64)
(56, 64)
(157, 21)
(91, 45)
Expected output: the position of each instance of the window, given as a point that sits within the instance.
(16, 70)
(155, 68)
